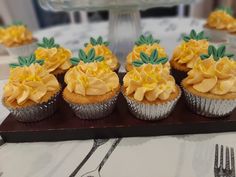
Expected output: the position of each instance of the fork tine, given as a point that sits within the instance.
(227, 166)
(216, 155)
(232, 162)
(221, 157)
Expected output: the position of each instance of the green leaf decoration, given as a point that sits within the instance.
(18, 23)
(194, 35)
(26, 61)
(217, 54)
(48, 43)
(228, 10)
(152, 59)
(98, 41)
(146, 40)
(86, 58)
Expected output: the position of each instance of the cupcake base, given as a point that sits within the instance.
(94, 111)
(152, 111)
(209, 107)
(35, 112)
(23, 50)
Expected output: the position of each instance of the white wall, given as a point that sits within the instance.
(19, 9)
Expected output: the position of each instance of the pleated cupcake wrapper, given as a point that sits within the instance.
(24, 50)
(209, 107)
(36, 112)
(151, 112)
(215, 34)
(95, 110)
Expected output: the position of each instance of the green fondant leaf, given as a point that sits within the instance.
(93, 41)
(154, 56)
(13, 65)
(144, 57)
(99, 58)
(204, 56)
(162, 60)
(221, 51)
(91, 54)
(74, 61)
(99, 40)
(41, 62)
(230, 55)
(82, 55)
(137, 63)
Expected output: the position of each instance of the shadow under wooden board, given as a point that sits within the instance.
(64, 125)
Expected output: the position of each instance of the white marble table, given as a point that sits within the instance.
(165, 156)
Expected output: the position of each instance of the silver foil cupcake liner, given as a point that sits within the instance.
(24, 50)
(95, 110)
(209, 107)
(36, 112)
(151, 112)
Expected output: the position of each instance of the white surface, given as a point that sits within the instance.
(165, 156)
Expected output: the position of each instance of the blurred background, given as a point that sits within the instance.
(30, 12)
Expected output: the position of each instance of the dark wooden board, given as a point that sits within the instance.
(64, 125)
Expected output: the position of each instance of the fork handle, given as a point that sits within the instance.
(92, 150)
(115, 143)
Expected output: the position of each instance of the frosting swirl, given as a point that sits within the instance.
(16, 35)
(151, 82)
(29, 83)
(232, 26)
(219, 19)
(210, 76)
(188, 52)
(55, 58)
(102, 50)
(94, 78)
(147, 49)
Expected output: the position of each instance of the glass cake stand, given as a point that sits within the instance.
(124, 17)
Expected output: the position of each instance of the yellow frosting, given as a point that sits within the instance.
(102, 50)
(1, 34)
(151, 82)
(232, 26)
(216, 77)
(16, 35)
(55, 58)
(91, 79)
(188, 52)
(29, 83)
(219, 19)
(147, 49)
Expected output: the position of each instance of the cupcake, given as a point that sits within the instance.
(18, 40)
(218, 23)
(210, 87)
(2, 49)
(101, 49)
(147, 45)
(186, 54)
(149, 89)
(56, 58)
(92, 87)
(31, 93)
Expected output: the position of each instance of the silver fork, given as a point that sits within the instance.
(229, 170)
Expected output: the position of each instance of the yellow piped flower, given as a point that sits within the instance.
(94, 78)
(147, 49)
(219, 19)
(29, 83)
(210, 76)
(15, 35)
(149, 82)
(188, 52)
(102, 50)
(54, 58)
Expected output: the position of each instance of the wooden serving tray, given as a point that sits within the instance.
(64, 125)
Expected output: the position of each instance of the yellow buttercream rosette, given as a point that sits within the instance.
(95, 78)
(101, 49)
(147, 49)
(215, 77)
(15, 35)
(188, 52)
(146, 44)
(57, 58)
(150, 82)
(219, 19)
(29, 83)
